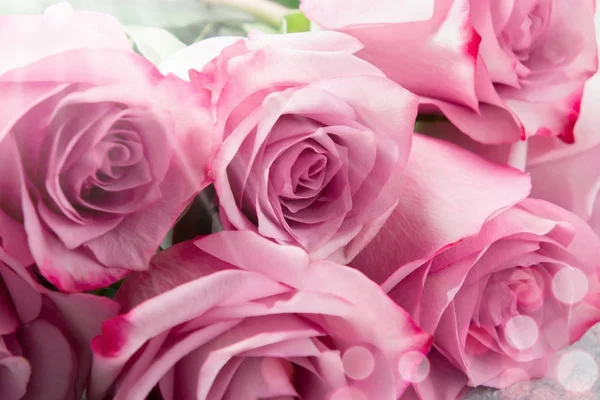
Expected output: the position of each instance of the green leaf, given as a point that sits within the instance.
(109, 291)
(295, 21)
(289, 3)
(155, 44)
(168, 241)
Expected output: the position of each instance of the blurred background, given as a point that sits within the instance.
(158, 28)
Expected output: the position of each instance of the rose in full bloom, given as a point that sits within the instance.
(516, 65)
(499, 304)
(104, 151)
(315, 139)
(44, 335)
(235, 316)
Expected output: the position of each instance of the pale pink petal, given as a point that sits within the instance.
(423, 223)
(444, 46)
(195, 56)
(506, 126)
(279, 66)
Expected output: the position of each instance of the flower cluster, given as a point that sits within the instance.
(401, 204)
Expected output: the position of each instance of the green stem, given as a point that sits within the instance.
(265, 10)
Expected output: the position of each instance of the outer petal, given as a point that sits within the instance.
(59, 29)
(555, 118)
(543, 149)
(514, 155)
(15, 373)
(281, 66)
(14, 240)
(439, 176)
(506, 126)
(410, 53)
(195, 56)
(83, 313)
(53, 363)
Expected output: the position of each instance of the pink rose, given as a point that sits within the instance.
(104, 151)
(236, 316)
(315, 140)
(517, 65)
(44, 335)
(500, 303)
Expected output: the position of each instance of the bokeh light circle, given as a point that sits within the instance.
(521, 332)
(407, 368)
(570, 285)
(577, 371)
(358, 362)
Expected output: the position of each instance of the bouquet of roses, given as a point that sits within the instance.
(401, 203)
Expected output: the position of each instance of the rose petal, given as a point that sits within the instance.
(26, 301)
(195, 56)
(444, 46)
(434, 227)
(15, 373)
(53, 363)
(444, 381)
